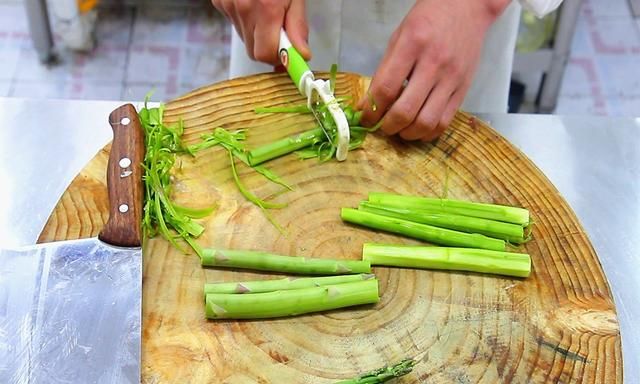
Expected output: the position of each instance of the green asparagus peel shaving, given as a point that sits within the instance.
(332, 77)
(384, 374)
(504, 213)
(512, 233)
(263, 205)
(232, 142)
(283, 284)
(459, 259)
(424, 232)
(264, 261)
(292, 302)
(245, 192)
(302, 108)
(194, 213)
(211, 140)
(161, 215)
(284, 146)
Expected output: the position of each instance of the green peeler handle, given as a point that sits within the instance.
(295, 64)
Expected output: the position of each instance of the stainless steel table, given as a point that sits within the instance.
(593, 161)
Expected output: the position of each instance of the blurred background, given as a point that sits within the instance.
(583, 59)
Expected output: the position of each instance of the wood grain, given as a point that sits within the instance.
(559, 325)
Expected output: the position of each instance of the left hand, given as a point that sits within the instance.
(436, 50)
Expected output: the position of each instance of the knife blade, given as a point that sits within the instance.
(70, 311)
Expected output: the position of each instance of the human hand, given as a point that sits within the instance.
(436, 50)
(258, 22)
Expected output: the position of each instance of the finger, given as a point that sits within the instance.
(364, 101)
(245, 24)
(228, 9)
(447, 115)
(295, 23)
(406, 108)
(266, 35)
(428, 119)
(388, 81)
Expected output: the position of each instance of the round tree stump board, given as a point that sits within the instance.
(558, 325)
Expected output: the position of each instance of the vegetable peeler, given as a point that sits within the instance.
(319, 94)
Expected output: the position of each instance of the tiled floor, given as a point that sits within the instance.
(603, 75)
(174, 50)
(170, 51)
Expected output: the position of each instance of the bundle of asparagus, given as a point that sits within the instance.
(478, 232)
(288, 297)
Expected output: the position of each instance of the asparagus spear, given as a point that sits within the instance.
(421, 231)
(290, 303)
(284, 284)
(265, 261)
(513, 233)
(284, 146)
(383, 374)
(460, 259)
(486, 211)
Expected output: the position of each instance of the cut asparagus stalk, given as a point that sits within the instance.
(291, 303)
(284, 284)
(264, 261)
(459, 259)
(384, 374)
(421, 231)
(486, 211)
(513, 233)
(284, 146)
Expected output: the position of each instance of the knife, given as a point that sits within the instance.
(70, 311)
(318, 93)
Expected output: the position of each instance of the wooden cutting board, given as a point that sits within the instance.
(558, 325)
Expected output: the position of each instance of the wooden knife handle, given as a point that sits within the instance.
(124, 179)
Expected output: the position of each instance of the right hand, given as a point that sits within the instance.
(258, 23)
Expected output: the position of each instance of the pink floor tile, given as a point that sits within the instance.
(613, 35)
(13, 18)
(202, 66)
(610, 7)
(153, 63)
(619, 74)
(581, 43)
(67, 90)
(9, 61)
(138, 91)
(114, 26)
(578, 80)
(582, 105)
(160, 26)
(628, 106)
(30, 68)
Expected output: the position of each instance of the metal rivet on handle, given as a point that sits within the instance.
(125, 162)
(123, 208)
(125, 121)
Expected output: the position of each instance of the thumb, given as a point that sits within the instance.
(295, 23)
